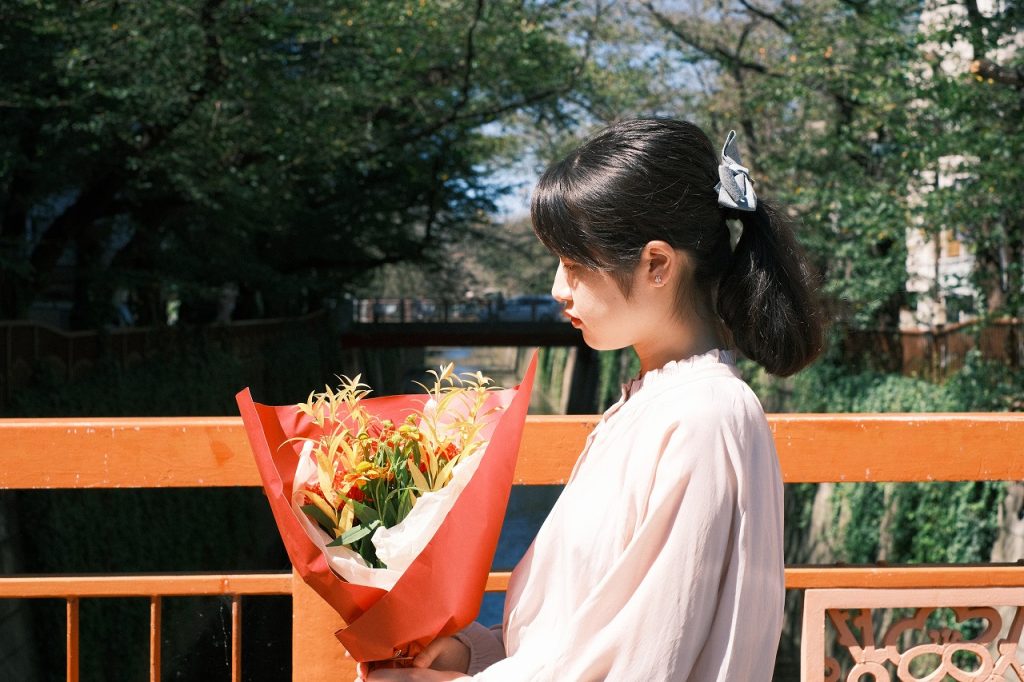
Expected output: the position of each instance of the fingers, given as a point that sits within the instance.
(425, 658)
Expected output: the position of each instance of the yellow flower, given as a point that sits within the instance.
(410, 432)
(447, 371)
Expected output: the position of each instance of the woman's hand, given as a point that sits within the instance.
(446, 658)
(414, 675)
(444, 653)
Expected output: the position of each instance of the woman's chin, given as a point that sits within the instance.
(601, 344)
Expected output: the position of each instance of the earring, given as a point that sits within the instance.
(657, 279)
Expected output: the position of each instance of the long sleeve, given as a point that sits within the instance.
(662, 560)
(485, 645)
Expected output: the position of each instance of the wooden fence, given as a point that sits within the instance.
(71, 355)
(936, 353)
(213, 452)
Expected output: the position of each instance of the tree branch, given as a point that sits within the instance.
(767, 16)
(214, 74)
(978, 24)
(746, 121)
(974, 14)
(458, 114)
(468, 74)
(712, 49)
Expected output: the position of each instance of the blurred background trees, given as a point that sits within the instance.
(290, 149)
(293, 150)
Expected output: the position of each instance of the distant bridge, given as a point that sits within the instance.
(415, 323)
(406, 322)
(409, 334)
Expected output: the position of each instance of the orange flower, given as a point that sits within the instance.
(315, 490)
(448, 452)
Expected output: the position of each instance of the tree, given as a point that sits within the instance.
(289, 149)
(975, 138)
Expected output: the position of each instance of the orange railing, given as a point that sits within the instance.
(213, 452)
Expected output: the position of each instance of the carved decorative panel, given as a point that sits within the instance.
(913, 635)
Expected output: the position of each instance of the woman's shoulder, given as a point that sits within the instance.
(711, 411)
(714, 393)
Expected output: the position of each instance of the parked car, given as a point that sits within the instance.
(529, 308)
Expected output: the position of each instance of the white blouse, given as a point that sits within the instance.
(662, 559)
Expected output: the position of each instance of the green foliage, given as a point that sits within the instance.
(288, 148)
(914, 522)
(198, 376)
(980, 386)
(551, 365)
(827, 388)
(954, 522)
(180, 385)
(985, 386)
(133, 531)
(545, 367)
(971, 135)
(608, 365)
(857, 513)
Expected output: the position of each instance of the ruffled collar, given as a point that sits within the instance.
(673, 369)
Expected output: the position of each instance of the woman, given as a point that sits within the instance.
(662, 559)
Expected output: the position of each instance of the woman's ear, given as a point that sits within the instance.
(659, 263)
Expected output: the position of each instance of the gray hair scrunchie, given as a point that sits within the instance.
(735, 189)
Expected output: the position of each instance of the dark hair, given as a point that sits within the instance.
(654, 179)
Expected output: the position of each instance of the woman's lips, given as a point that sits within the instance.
(576, 322)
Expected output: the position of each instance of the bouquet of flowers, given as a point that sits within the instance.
(390, 508)
(359, 479)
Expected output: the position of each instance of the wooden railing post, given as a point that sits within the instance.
(71, 649)
(316, 653)
(236, 638)
(155, 637)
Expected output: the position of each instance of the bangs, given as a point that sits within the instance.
(557, 219)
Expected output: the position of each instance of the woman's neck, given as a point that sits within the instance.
(677, 341)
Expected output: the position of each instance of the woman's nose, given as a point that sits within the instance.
(560, 287)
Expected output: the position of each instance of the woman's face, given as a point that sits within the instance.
(651, 320)
(595, 305)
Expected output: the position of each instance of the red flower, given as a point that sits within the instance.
(316, 490)
(448, 452)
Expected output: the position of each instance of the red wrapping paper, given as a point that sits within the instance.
(441, 592)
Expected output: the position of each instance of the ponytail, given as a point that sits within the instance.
(765, 296)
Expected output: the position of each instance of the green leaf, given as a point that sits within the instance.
(315, 513)
(355, 533)
(364, 513)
